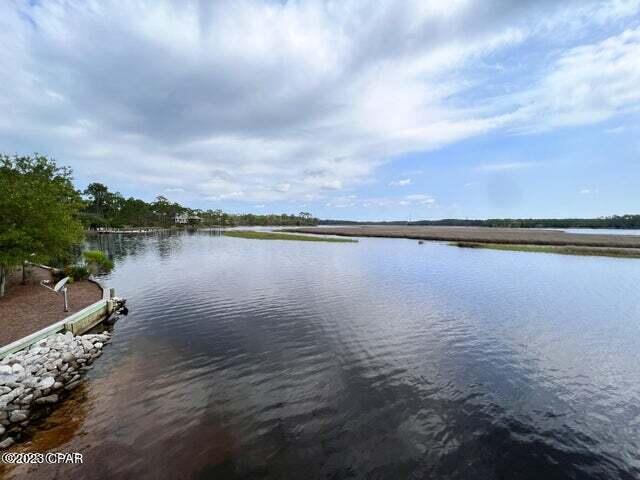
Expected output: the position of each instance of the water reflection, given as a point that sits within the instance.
(382, 359)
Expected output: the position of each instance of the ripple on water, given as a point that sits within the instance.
(381, 359)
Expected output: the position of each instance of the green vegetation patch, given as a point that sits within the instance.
(251, 234)
(563, 250)
(97, 261)
(38, 212)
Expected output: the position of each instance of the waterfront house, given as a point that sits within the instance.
(181, 218)
(185, 218)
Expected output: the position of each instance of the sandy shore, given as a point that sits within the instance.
(510, 236)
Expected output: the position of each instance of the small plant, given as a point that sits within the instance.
(76, 272)
(96, 261)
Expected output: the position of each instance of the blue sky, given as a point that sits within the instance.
(351, 109)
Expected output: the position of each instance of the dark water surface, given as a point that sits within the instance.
(379, 359)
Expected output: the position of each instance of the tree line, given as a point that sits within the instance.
(104, 208)
(614, 221)
(43, 216)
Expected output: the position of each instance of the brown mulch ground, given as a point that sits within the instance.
(28, 308)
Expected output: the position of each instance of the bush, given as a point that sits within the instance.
(97, 261)
(77, 272)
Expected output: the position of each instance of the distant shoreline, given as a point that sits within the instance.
(614, 222)
(522, 239)
(255, 235)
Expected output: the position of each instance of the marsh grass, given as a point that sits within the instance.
(503, 236)
(255, 235)
(563, 250)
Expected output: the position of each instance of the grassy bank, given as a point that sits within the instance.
(563, 250)
(254, 235)
(502, 236)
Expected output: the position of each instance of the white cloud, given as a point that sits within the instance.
(421, 199)
(502, 167)
(586, 84)
(616, 130)
(352, 201)
(400, 183)
(310, 103)
(227, 196)
(283, 187)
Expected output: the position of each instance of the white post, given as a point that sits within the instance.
(66, 302)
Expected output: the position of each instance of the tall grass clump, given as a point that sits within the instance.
(97, 262)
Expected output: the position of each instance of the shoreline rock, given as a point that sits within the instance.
(38, 377)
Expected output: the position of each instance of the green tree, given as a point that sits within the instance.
(166, 210)
(135, 212)
(38, 211)
(99, 197)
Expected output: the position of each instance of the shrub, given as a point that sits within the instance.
(76, 272)
(97, 261)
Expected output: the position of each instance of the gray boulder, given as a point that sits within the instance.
(6, 443)
(47, 400)
(18, 416)
(46, 382)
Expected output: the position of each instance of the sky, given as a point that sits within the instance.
(367, 110)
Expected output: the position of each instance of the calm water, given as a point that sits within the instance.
(381, 359)
(604, 231)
